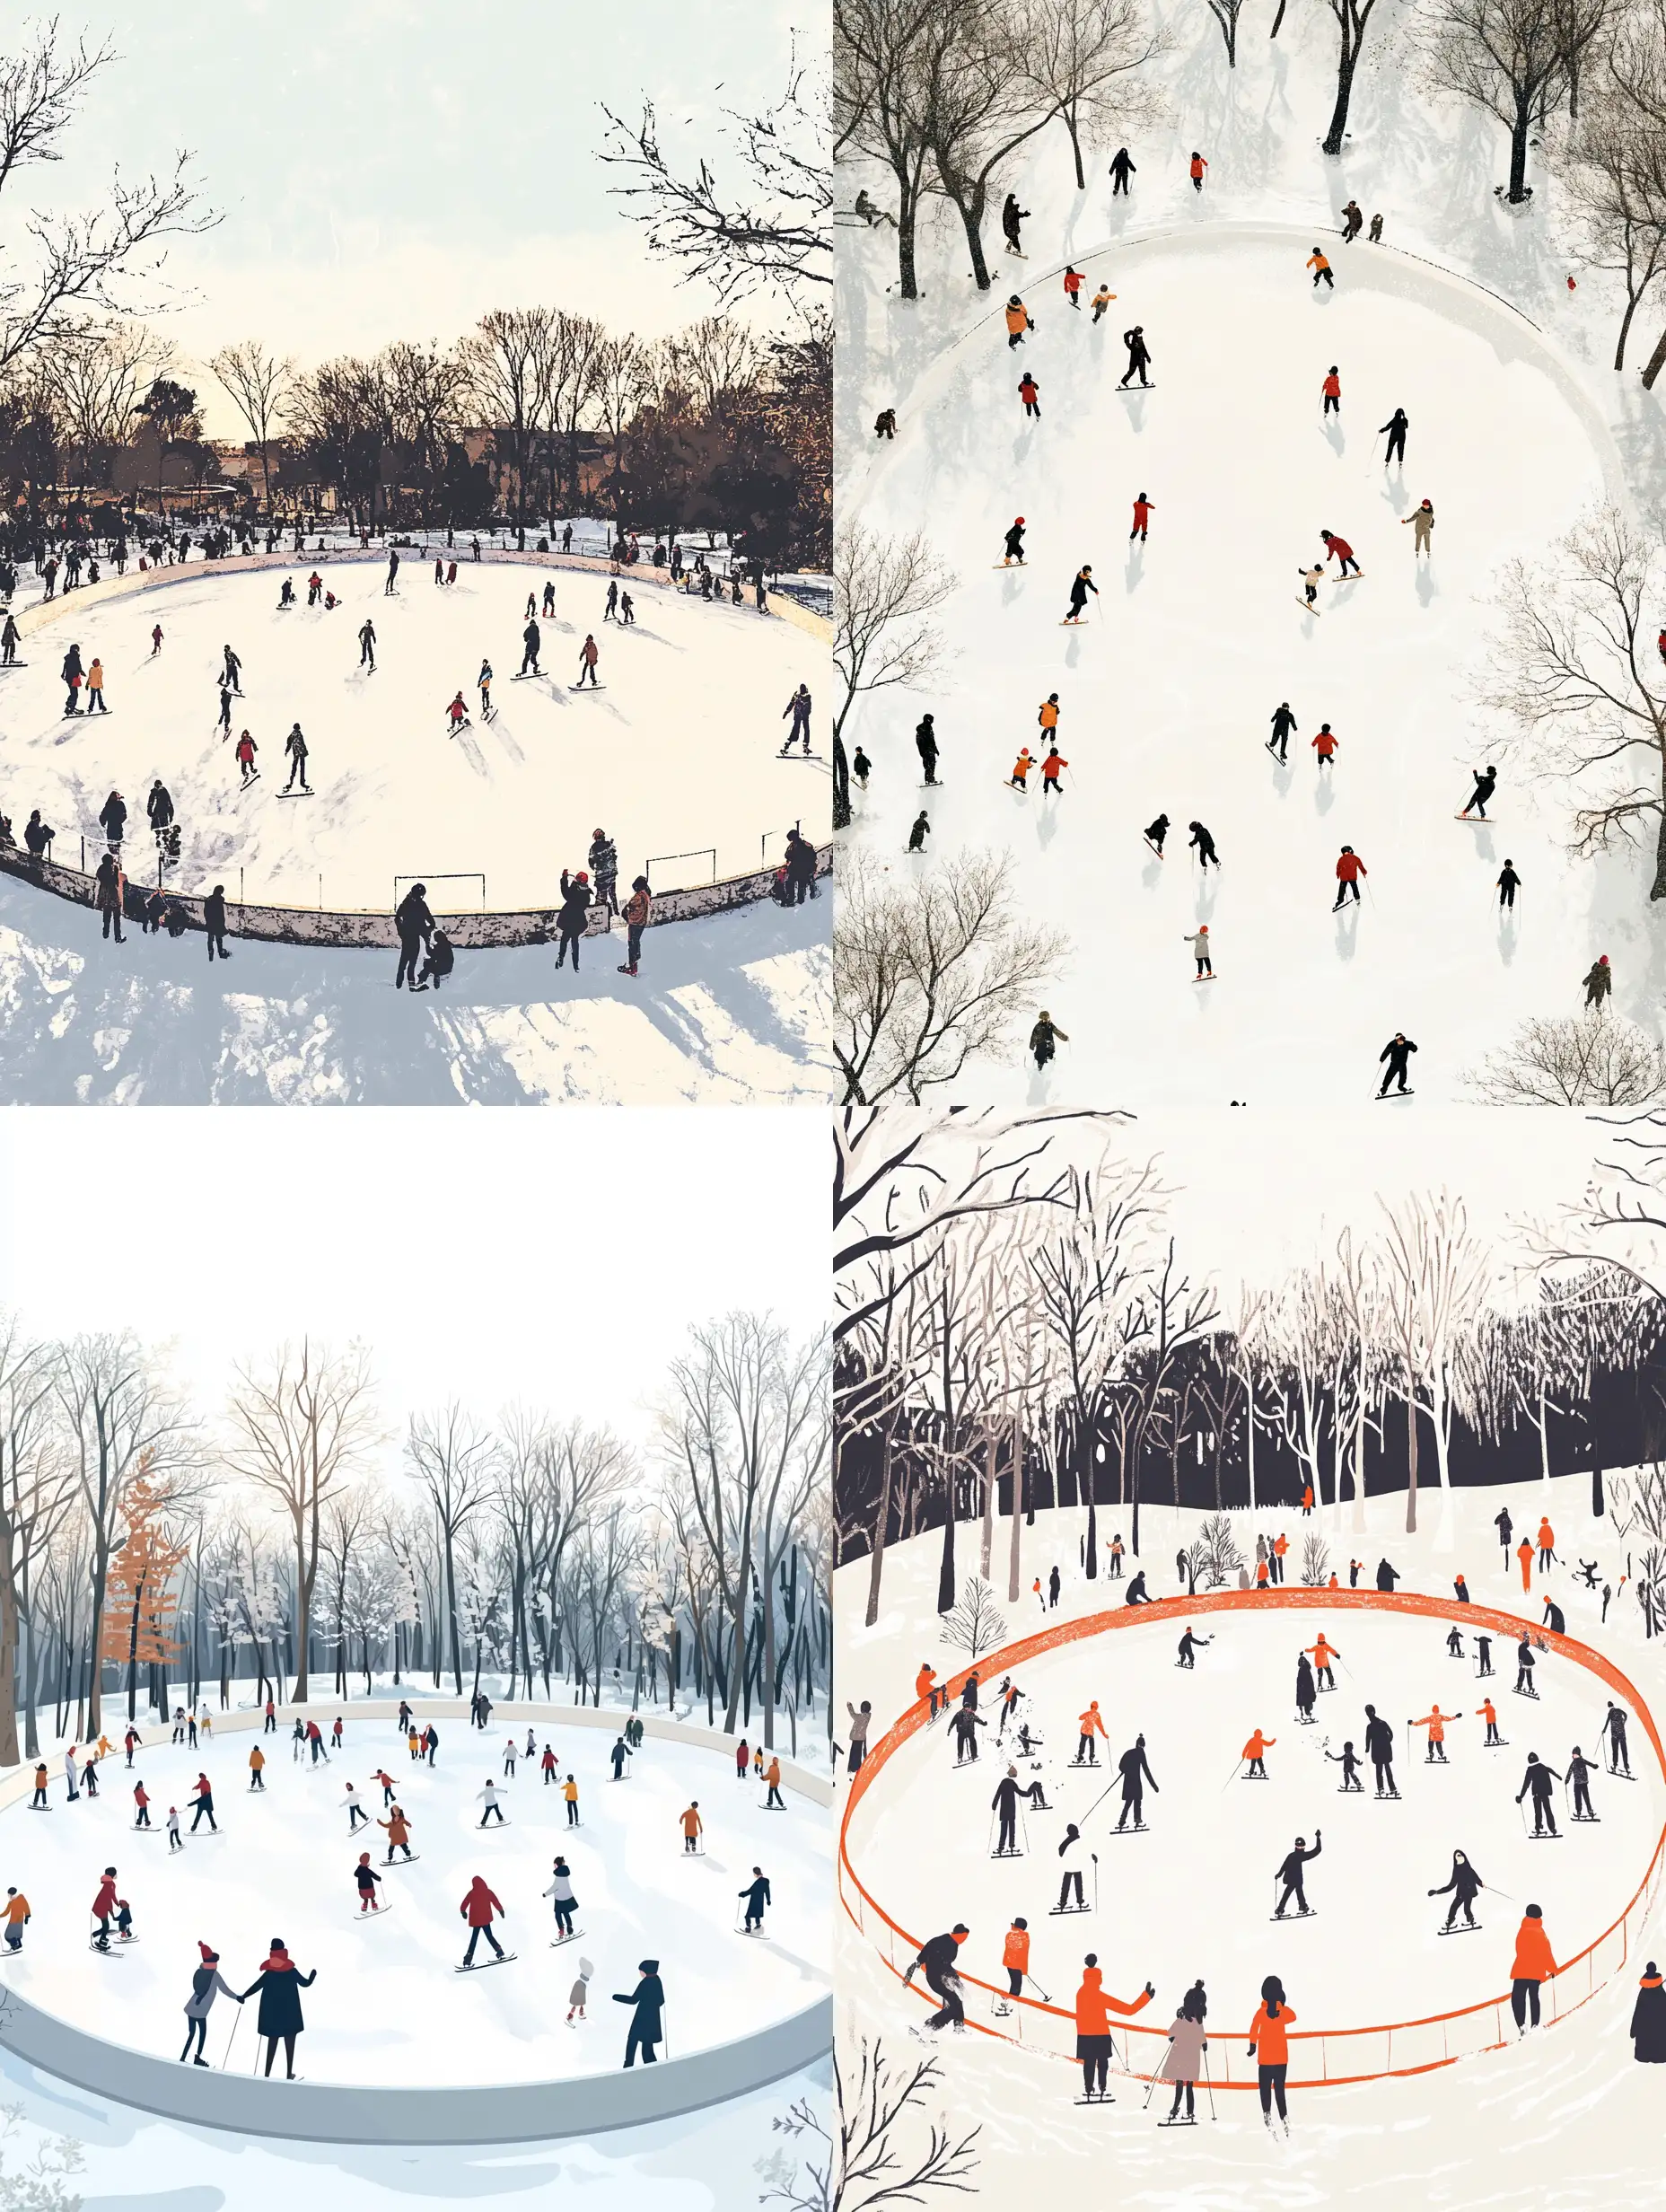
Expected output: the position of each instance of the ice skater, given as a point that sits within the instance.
(1379, 1750)
(1396, 1052)
(207, 1983)
(367, 645)
(369, 1881)
(295, 747)
(1139, 356)
(798, 706)
(1284, 730)
(757, 1894)
(1204, 843)
(647, 2003)
(1338, 549)
(1199, 942)
(1082, 584)
(1395, 428)
(1143, 509)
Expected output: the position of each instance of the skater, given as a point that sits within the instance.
(483, 685)
(104, 1906)
(693, 1828)
(1143, 510)
(1579, 1783)
(1090, 1726)
(1538, 1781)
(415, 925)
(1204, 842)
(393, 570)
(590, 653)
(1396, 1052)
(95, 687)
(280, 1983)
(938, 1960)
(207, 1983)
(397, 1827)
(1012, 216)
(1283, 728)
(1484, 781)
(1256, 1752)
(1154, 832)
(1379, 1750)
(1320, 264)
(926, 744)
(1333, 392)
(1102, 299)
(1014, 544)
(1353, 223)
(1395, 428)
(1094, 2006)
(295, 746)
(1310, 579)
(1018, 323)
(1139, 356)
(1070, 1881)
(493, 1811)
(1524, 1666)
(1200, 953)
(1121, 169)
(355, 1811)
(1290, 1874)
(646, 2023)
(244, 757)
(1324, 745)
(1465, 1886)
(798, 706)
(1533, 1963)
(1184, 2061)
(578, 1996)
(1509, 884)
(560, 1895)
(573, 917)
(18, 1915)
(1436, 1723)
(1347, 1759)
(478, 1908)
(1136, 1773)
(1269, 2046)
(369, 1881)
(1614, 1728)
(1029, 392)
(1198, 166)
(203, 1803)
(1422, 521)
(1599, 983)
(1339, 549)
(1079, 591)
(756, 1895)
(531, 639)
(1043, 1039)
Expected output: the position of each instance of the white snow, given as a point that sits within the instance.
(387, 2005)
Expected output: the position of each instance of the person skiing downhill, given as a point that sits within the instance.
(1396, 428)
(1509, 884)
(1465, 1886)
(1082, 586)
(1269, 2046)
(1139, 356)
(1283, 728)
(1205, 843)
(1256, 1752)
(1396, 1052)
(1094, 2007)
(1136, 1773)
(1290, 1873)
(1349, 1761)
(1052, 767)
(1044, 1038)
(938, 1960)
(1537, 1782)
(1014, 544)
(1599, 982)
(1484, 781)
(1350, 867)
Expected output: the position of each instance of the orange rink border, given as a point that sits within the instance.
(1361, 2054)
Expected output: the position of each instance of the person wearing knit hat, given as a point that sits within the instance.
(206, 1983)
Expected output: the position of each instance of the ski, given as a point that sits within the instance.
(1140, 1827)
(1155, 848)
(1586, 1820)
(574, 1937)
(480, 1965)
(1062, 1913)
(1306, 608)
(1188, 2120)
(297, 794)
(1104, 2097)
(376, 1913)
(415, 1859)
(1545, 1835)
(587, 687)
(479, 1825)
(1473, 1927)
(1382, 1095)
(1283, 1920)
(107, 1951)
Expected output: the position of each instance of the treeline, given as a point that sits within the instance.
(536, 413)
(150, 1550)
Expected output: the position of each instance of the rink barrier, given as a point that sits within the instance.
(357, 928)
(1330, 2057)
(479, 2114)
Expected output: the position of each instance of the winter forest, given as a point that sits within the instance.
(298, 1542)
(1013, 1298)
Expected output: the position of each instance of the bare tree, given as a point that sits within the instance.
(68, 269)
(883, 588)
(884, 52)
(1567, 1061)
(1226, 13)
(452, 1459)
(258, 383)
(1515, 59)
(506, 358)
(1435, 1272)
(98, 374)
(776, 233)
(1352, 19)
(1084, 55)
(865, 2166)
(1617, 179)
(975, 1623)
(982, 105)
(301, 1426)
(38, 1488)
(929, 973)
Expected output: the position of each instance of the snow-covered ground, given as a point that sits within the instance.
(1167, 690)
(389, 2006)
(1569, 2104)
(677, 752)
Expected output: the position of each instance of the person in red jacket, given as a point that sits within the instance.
(1333, 392)
(1142, 516)
(1350, 867)
(1050, 769)
(1094, 2006)
(478, 1909)
(1197, 167)
(1532, 1964)
(1029, 392)
(104, 1909)
(1341, 550)
(1072, 285)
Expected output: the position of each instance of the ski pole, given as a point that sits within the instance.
(237, 2019)
(1208, 2083)
(1094, 1856)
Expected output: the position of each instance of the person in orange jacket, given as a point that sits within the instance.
(1020, 769)
(693, 1827)
(1263, 1580)
(1307, 1487)
(1017, 323)
(925, 1686)
(1435, 1722)
(1547, 1541)
(1255, 1751)
(772, 1776)
(1488, 1712)
(1269, 2047)
(1094, 2006)
(1091, 1723)
(1015, 1958)
(1320, 264)
(1279, 1546)
(1321, 1654)
(1050, 769)
(1524, 1553)
(1143, 509)
(1198, 166)
(1532, 1964)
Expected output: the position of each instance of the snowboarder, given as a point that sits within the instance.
(1422, 521)
(1379, 1750)
(1200, 952)
(647, 2000)
(1290, 1874)
(885, 423)
(917, 835)
(1599, 982)
(1121, 169)
(207, 1983)
(369, 1881)
(1396, 428)
(1269, 2046)
(1283, 728)
(1537, 1782)
(1396, 1052)
(478, 1908)
(531, 639)
(295, 746)
(1079, 589)
(1139, 356)
(1205, 843)
(1256, 1752)
(590, 653)
(1136, 1773)
(1014, 545)
(1484, 781)
(926, 744)
(1509, 884)
(936, 1960)
(798, 706)
(1188, 1645)
(1533, 1963)
(280, 1983)
(1045, 1037)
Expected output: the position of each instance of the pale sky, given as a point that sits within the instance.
(396, 170)
(555, 1257)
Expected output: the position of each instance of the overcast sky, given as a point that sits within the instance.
(555, 1257)
(395, 168)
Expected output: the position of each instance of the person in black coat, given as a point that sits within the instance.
(1121, 169)
(756, 1895)
(414, 925)
(113, 817)
(646, 2023)
(439, 964)
(1386, 1575)
(214, 921)
(1465, 1886)
(159, 806)
(573, 915)
(801, 867)
(38, 836)
(280, 1984)
(1648, 2019)
(926, 739)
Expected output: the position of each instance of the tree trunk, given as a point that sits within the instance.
(1277, 20)
(1018, 1483)
(971, 211)
(1597, 1506)
(1346, 63)
(303, 1621)
(841, 783)
(1090, 1561)
(1411, 1461)
(1069, 114)
(1625, 332)
(1657, 890)
(907, 209)
(991, 1452)
(1518, 153)
(945, 1569)
(1656, 362)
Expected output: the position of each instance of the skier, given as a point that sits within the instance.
(1538, 1781)
(1396, 1052)
(367, 645)
(1422, 521)
(1044, 1037)
(1306, 1695)
(1310, 578)
(1091, 1725)
(1204, 844)
(1339, 549)
(1188, 1645)
(1435, 1722)
(1614, 1728)
(369, 1881)
(1029, 392)
(1079, 591)
(1154, 832)
(456, 714)
(1533, 1963)
(1094, 2006)
(1256, 1752)
(618, 1755)
(1484, 781)
(1396, 428)
(1186, 2045)
(1012, 216)
(483, 685)
(1269, 2046)
(1599, 982)
(1020, 769)
(1139, 356)
(1017, 323)
(1283, 728)
(925, 743)
(1200, 953)
(1579, 1783)
(1324, 745)
(798, 706)
(885, 426)
(1319, 265)
(1333, 392)
(1052, 767)
(936, 1960)
(1121, 169)
(1014, 545)
(478, 1909)
(295, 746)
(1134, 1771)
(590, 653)
(1379, 1750)
(1349, 1763)
(1198, 166)
(1509, 884)
(1465, 1886)
(1290, 1874)
(965, 1725)
(1015, 1958)
(757, 1894)
(919, 832)
(206, 1983)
